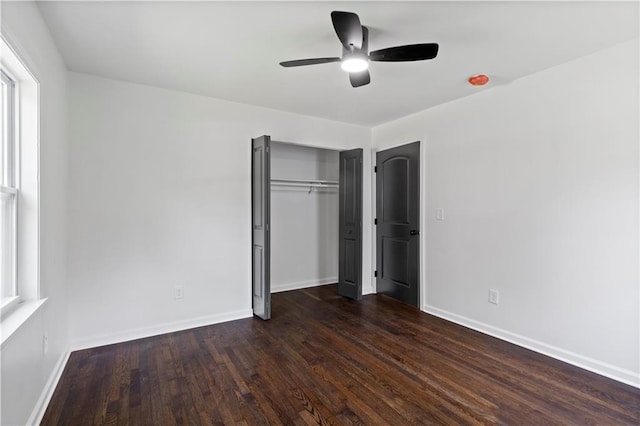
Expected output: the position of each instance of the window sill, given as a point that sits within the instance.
(8, 305)
(13, 320)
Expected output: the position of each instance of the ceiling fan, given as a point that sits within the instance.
(355, 50)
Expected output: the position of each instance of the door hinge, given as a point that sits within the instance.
(375, 221)
(375, 273)
(375, 169)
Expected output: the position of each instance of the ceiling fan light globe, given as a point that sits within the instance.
(354, 64)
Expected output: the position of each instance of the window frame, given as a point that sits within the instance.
(9, 188)
(19, 67)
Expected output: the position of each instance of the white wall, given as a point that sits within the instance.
(304, 225)
(26, 371)
(539, 182)
(160, 196)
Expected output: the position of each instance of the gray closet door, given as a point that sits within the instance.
(260, 219)
(398, 220)
(350, 225)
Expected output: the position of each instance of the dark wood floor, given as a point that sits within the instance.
(327, 360)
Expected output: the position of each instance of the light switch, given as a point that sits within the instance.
(440, 214)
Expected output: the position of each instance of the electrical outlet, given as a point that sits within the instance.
(45, 343)
(178, 292)
(494, 296)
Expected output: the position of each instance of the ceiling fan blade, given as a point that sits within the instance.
(312, 61)
(361, 78)
(365, 40)
(409, 52)
(348, 28)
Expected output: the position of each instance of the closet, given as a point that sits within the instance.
(306, 220)
(304, 216)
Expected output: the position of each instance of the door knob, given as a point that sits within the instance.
(414, 232)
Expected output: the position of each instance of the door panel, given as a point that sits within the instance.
(395, 262)
(396, 171)
(350, 225)
(350, 250)
(260, 219)
(398, 217)
(258, 271)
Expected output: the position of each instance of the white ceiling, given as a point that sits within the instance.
(231, 50)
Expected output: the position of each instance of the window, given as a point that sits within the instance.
(19, 190)
(8, 192)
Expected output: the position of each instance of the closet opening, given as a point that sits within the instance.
(306, 220)
(304, 216)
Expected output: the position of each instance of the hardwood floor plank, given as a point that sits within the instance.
(323, 359)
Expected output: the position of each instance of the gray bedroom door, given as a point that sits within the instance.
(260, 220)
(350, 225)
(398, 220)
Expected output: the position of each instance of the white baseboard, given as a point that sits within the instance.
(45, 397)
(611, 371)
(277, 288)
(141, 333)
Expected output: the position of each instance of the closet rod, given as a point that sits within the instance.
(305, 182)
(306, 185)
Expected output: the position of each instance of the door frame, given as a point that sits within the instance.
(422, 195)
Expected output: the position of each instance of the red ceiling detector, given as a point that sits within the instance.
(479, 80)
